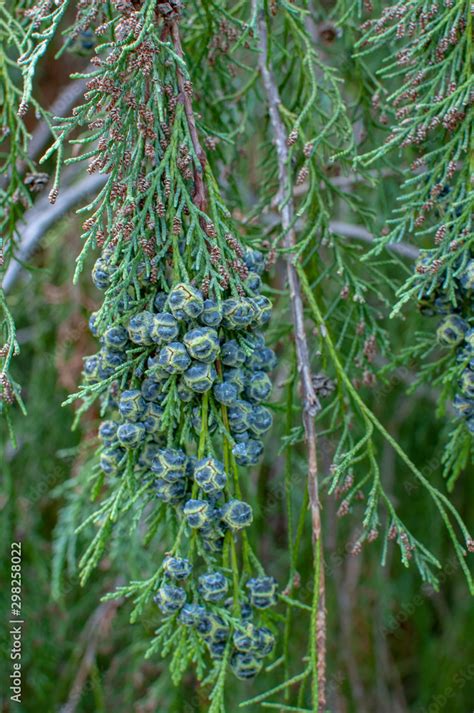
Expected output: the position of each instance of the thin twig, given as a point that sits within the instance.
(310, 400)
(200, 197)
(346, 182)
(349, 230)
(359, 233)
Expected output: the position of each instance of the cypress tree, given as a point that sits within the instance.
(275, 210)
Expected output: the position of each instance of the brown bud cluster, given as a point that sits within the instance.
(292, 137)
(7, 393)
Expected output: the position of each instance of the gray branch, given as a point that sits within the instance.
(41, 217)
(285, 203)
(359, 233)
(346, 182)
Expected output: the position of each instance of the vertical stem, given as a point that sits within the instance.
(315, 650)
(310, 400)
(203, 434)
(200, 196)
(289, 517)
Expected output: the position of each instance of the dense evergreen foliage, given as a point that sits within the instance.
(236, 246)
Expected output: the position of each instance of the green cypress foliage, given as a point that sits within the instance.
(240, 405)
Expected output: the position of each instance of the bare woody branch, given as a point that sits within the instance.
(310, 400)
(41, 217)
